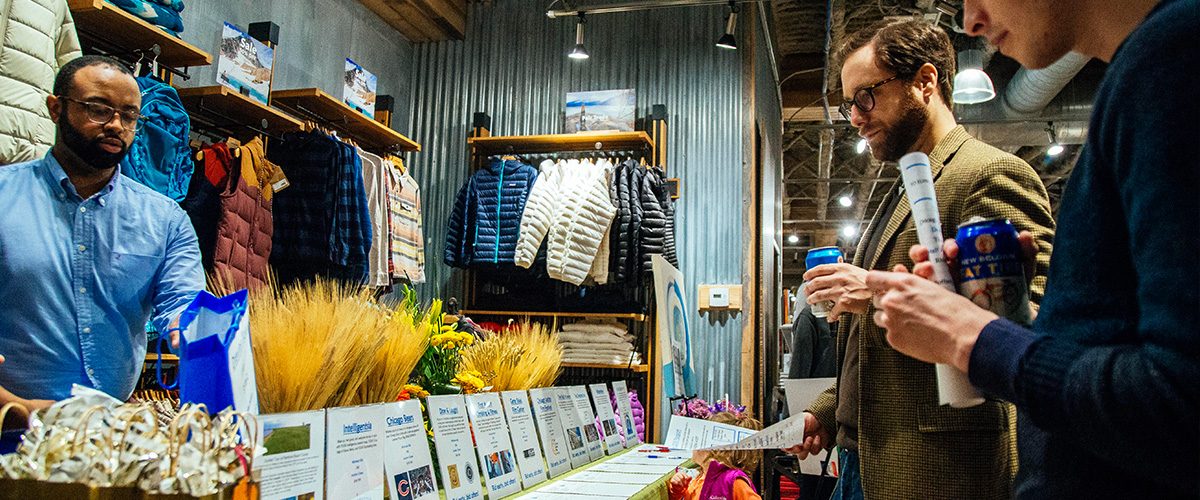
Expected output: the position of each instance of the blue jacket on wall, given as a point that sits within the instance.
(486, 220)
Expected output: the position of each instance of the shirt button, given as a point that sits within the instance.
(87, 329)
(82, 248)
(82, 290)
(91, 372)
(83, 209)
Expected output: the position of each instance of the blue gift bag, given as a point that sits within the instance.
(216, 360)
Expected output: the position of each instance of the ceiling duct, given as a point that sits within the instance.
(1031, 90)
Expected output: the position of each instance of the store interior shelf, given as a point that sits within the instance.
(236, 108)
(635, 368)
(153, 358)
(630, 316)
(123, 29)
(326, 110)
(583, 141)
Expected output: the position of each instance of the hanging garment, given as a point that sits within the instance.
(486, 221)
(245, 227)
(203, 202)
(600, 264)
(322, 224)
(625, 193)
(654, 218)
(39, 38)
(540, 211)
(408, 237)
(584, 216)
(375, 184)
(159, 156)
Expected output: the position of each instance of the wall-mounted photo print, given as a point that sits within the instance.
(601, 110)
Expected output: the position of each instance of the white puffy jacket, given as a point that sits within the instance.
(540, 208)
(583, 218)
(39, 37)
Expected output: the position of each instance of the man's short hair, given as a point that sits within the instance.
(64, 82)
(902, 46)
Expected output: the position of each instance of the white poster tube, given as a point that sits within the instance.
(953, 387)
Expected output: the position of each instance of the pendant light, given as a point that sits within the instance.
(971, 84)
(727, 41)
(578, 53)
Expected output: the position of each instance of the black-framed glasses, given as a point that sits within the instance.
(102, 113)
(864, 98)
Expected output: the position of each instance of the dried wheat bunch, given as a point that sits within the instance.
(523, 357)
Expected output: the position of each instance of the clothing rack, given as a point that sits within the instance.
(647, 377)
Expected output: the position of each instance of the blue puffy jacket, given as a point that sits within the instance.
(159, 156)
(486, 220)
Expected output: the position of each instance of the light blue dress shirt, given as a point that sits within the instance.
(80, 278)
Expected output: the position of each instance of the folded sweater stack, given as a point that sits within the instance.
(603, 342)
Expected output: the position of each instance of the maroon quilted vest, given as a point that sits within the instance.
(245, 226)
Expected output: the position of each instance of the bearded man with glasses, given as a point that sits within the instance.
(895, 440)
(87, 255)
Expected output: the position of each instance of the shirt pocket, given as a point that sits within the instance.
(130, 278)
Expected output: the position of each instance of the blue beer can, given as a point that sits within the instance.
(817, 257)
(991, 272)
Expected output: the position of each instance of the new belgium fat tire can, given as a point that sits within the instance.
(991, 271)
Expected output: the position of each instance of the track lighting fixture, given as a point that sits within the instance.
(578, 53)
(727, 40)
(1055, 148)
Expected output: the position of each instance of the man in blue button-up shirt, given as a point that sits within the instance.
(87, 256)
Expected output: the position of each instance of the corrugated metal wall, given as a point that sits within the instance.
(513, 66)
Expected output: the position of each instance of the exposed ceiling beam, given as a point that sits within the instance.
(824, 164)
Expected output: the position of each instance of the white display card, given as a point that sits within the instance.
(550, 428)
(524, 437)
(407, 464)
(608, 419)
(695, 434)
(625, 412)
(587, 420)
(294, 462)
(781, 435)
(354, 452)
(494, 445)
(571, 426)
(569, 487)
(455, 451)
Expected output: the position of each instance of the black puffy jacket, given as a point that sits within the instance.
(658, 224)
(625, 193)
(486, 221)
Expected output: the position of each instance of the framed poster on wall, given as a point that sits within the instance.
(358, 90)
(601, 110)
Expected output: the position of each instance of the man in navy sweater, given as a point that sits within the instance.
(1108, 380)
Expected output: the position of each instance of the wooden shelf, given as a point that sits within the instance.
(237, 108)
(583, 141)
(634, 368)
(629, 316)
(368, 133)
(117, 27)
(153, 358)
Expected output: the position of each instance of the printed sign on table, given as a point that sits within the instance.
(456, 453)
(608, 419)
(354, 452)
(293, 465)
(407, 464)
(550, 428)
(587, 419)
(695, 434)
(494, 445)
(524, 437)
(625, 412)
(571, 426)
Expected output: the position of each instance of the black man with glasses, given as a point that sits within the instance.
(87, 255)
(894, 439)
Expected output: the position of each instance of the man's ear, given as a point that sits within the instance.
(927, 76)
(54, 105)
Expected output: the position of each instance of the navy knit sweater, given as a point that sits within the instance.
(1108, 381)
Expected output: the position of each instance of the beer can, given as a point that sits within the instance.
(817, 257)
(991, 271)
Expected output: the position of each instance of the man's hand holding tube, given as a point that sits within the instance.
(926, 321)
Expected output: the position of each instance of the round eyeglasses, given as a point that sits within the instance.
(864, 98)
(102, 113)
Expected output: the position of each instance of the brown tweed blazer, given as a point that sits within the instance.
(909, 446)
